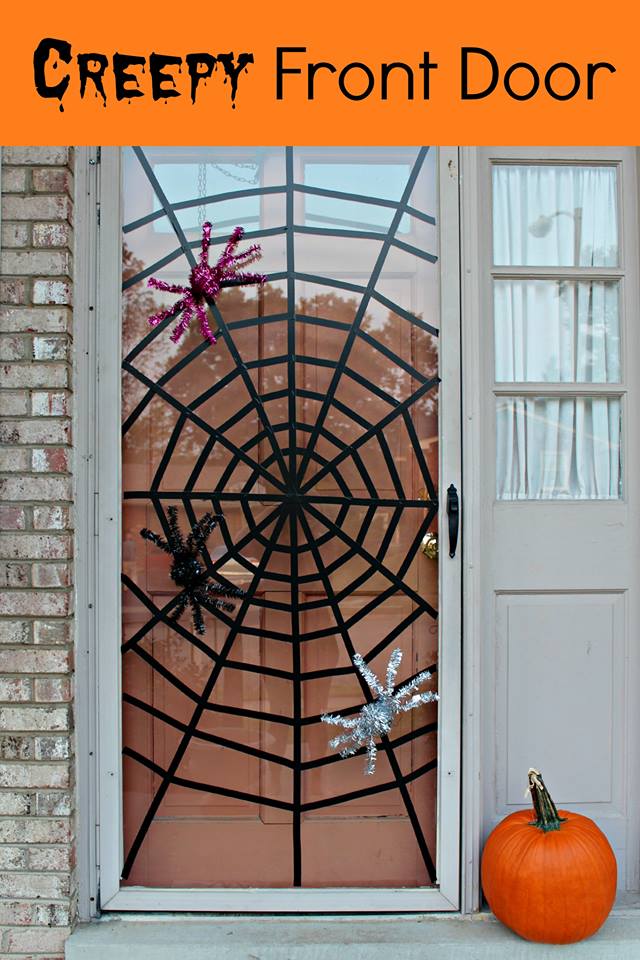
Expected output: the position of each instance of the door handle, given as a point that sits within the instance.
(453, 514)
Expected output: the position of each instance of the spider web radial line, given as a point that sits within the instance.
(375, 429)
(200, 706)
(364, 303)
(222, 326)
(396, 579)
(393, 760)
(199, 422)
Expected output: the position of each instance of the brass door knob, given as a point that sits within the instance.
(429, 546)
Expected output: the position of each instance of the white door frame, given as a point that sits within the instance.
(98, 215)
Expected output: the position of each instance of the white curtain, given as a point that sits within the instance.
(551, 448)
(554, 216)
(556, 331)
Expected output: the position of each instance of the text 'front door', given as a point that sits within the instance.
(311, 427)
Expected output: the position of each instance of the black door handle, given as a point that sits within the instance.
(453, 513)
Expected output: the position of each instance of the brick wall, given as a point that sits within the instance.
(36, 573)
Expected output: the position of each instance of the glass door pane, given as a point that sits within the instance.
(311, 428)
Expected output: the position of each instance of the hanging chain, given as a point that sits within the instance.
(202, 192)
(241, 166)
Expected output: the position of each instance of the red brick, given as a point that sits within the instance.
(51, 180)
(33, 775)
(51, 575)
(35, 155)
(16, 575)
(34, 603)
(16, 631)
(35, 431)
(50, 460)
(48, 235)
(15, 403)
(35, 375)
(13, 348)
(49, 689)
(50, 348)
(49, 404)
(36, 208)
(12, 518)
(16, 235)
(52, 263)
(12, 459)
(14, 179)
(14, 290)
(35, 319)
(51, 291)
(35, 546)
(51, 632)
(15, 689)
(35, 488)
(51, 518)
(34, 660)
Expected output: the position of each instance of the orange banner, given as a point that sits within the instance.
(333, 72)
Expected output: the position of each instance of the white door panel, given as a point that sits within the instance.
(560, 571)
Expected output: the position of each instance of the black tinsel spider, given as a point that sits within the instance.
(189, 570)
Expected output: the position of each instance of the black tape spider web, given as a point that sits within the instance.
(292, 471)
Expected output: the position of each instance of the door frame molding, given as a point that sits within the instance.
(97, 376)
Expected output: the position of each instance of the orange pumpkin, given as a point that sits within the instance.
(552, 879)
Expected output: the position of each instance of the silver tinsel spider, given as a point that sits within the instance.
(376, 719)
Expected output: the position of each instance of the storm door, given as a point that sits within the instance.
(312, 429)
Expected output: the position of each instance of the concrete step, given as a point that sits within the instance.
(479, 937)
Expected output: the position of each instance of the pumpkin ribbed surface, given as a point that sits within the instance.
(554, 884)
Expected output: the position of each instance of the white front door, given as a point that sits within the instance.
(557, 524)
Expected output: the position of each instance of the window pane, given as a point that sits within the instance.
(553, 448)
(383, 180)
(557, 331)
(555, 216)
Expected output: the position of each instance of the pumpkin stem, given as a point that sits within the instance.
(545, 809)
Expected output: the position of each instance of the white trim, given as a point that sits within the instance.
(450, 599)
(301, 900)
(470, 243)
(447, 896)
(84, 426)
(108, 525)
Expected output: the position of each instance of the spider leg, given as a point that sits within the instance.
(408, 688)
(201, 531)
(175, 534)
(180, 607)
(187, 315)
(205, 329)
(167, 287)
(198, 620)
(170, 312)
(206, 241)
(155, 538)
(392, 669)
(251, 277)
(372, 755)
(236, 236)
(340, 739)
(372, 681)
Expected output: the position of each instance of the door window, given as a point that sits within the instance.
(556, 320)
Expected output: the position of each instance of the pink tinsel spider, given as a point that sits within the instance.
(206, 281)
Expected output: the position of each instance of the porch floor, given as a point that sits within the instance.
(436, 937)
